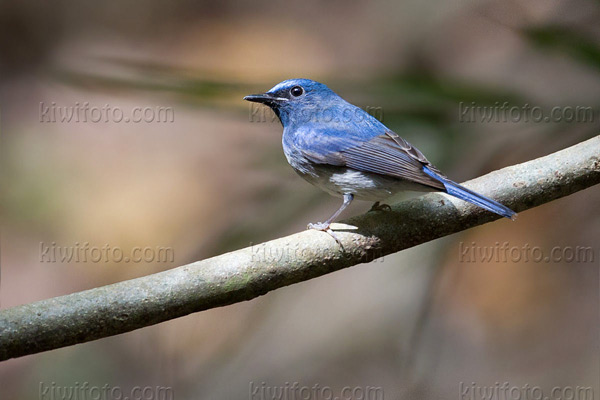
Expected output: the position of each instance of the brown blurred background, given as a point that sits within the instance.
(420, 324)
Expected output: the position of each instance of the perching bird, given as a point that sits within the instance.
(348, 153)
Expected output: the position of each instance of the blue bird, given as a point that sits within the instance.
(348, 153)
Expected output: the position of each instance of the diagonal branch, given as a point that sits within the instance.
(248, 273)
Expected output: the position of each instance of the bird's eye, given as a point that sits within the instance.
(296, 91)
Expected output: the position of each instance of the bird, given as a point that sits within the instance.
(348, 153)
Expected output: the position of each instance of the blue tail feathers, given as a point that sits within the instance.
(461, 192)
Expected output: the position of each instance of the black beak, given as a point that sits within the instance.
(266, 98)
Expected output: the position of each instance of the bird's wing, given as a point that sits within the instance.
(386, 154)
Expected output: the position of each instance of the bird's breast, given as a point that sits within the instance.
(295, 157)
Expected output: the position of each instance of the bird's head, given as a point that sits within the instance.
(297, 100)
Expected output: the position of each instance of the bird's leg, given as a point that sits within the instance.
(380, 207)
(324, 226)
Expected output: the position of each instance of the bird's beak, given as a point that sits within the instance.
(266, 98)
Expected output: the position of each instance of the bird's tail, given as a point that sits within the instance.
(456, 190)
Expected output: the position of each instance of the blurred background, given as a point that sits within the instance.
(429, 322)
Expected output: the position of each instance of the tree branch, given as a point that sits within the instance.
(248, 273)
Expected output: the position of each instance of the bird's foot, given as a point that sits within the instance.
(319, 226)
(380, 207)
(325, 227)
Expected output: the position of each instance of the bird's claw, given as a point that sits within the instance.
(380, 207)
(319, 226)
(324, 227)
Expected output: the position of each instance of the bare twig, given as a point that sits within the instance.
(247, 273)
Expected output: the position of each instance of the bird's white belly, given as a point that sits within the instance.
(364, 186)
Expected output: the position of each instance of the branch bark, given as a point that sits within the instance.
(248, 273)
